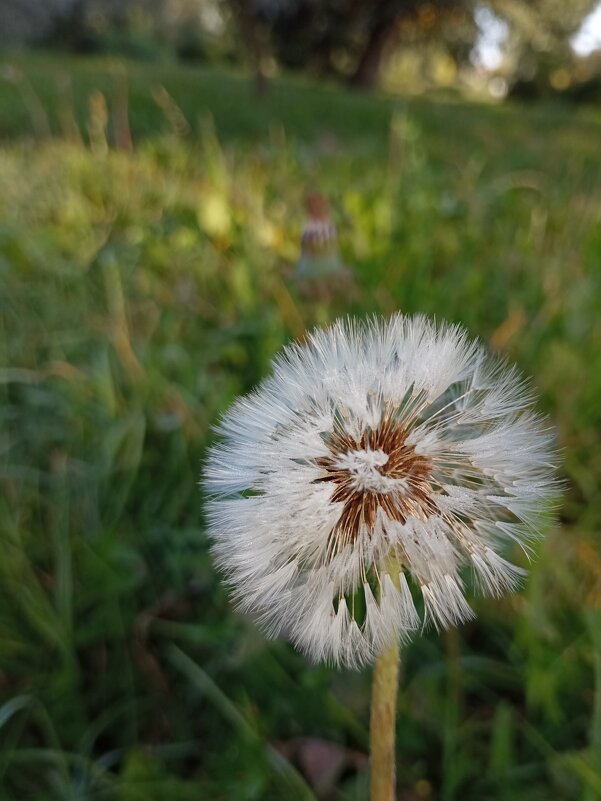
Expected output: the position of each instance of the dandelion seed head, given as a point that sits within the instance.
(377, 456)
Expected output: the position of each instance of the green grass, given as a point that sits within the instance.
(144, 284)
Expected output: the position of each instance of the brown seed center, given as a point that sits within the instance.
(379, 470)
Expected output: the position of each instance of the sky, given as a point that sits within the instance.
(588, 37)
(489, 49)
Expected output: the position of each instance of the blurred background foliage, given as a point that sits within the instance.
(150, 216)
(408, 45)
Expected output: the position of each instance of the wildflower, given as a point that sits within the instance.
(375, 453)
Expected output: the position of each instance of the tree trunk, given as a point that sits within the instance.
(379, 43)
(250, 30)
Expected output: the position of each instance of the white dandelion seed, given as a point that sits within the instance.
(374, 453)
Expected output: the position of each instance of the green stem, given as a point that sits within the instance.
(383, 724)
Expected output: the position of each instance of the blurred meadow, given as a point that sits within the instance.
(150, 218)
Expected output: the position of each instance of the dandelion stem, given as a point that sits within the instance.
(383, 724)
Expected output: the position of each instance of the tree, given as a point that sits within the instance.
(352, 39)
(31, 20)
(538, 45)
